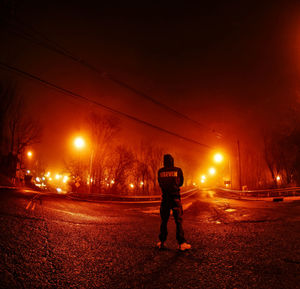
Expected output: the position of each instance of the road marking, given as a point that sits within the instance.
(83, 216)
(32, 202)
(29, 204)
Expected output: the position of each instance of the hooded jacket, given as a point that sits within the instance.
(170, 178)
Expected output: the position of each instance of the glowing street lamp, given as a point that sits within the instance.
(79, 142)
(29, 154)
(218, 158)
(212, 171)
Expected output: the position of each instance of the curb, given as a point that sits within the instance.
(105, 199)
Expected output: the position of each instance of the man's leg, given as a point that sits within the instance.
(177, 213)
(164, 214)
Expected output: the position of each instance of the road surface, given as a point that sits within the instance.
(55, 242)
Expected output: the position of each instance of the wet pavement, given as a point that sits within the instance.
(49, 242)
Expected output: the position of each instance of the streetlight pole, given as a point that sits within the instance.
(230, 171)
(79, 143)
(218, 158)
(90, 173)
(240, 165)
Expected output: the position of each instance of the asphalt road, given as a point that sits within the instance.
(61, 243)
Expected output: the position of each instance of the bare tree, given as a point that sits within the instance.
(24, 131)
(141, 176)
(154, 155)
(7, 97)
(17, 129)
(103, 129)
(255, 172)
(148, 161)
(121, 164)
(282, 150)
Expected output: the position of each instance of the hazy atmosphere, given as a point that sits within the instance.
(95, 96)
(231, 68)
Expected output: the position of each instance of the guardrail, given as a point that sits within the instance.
(104, 197)
(265, 193)
(113, 197)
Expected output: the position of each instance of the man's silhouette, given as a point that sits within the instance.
(170, 180)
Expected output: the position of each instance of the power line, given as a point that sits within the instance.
(86, 99)
(54, 46)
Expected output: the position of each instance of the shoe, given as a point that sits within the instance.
(184, 246)
(160, 245)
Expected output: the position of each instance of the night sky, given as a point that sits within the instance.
(233, 66)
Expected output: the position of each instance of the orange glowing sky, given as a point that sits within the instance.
(231, 66)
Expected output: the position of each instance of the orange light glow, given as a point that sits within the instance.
(79, 142)
(218, 158)
(278, 178)
(212, 171)
(131, 186)
(29, 154)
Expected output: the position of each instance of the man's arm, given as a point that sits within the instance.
(159, 178)
(180, 175)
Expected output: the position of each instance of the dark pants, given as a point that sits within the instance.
(176, 207)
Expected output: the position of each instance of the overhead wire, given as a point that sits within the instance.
(54, 46)
(97, 103)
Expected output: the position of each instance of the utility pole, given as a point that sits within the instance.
(90, 172)
(239, 163)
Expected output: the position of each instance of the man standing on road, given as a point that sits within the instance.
(170, 180)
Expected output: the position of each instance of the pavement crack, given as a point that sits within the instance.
(162, 270)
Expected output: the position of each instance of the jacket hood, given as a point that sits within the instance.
(168, 161)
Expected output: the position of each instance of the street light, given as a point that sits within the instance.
(212, 171)
(29, 154)
(218, 158)
(79, 142)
